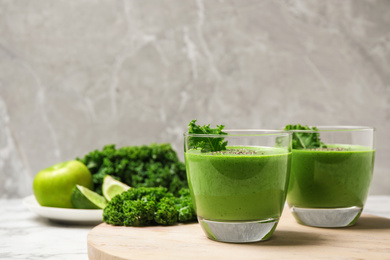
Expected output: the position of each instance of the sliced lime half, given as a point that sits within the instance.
(84, 198)
(112, 187)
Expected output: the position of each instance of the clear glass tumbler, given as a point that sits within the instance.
(239, 193)
(329, 185)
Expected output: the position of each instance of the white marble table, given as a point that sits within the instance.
(24, 235)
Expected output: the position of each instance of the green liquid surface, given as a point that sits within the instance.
(330, 179)
(235, 187)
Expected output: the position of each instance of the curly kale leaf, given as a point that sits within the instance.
(185, 207)
(139, 212)
(113, 213)
(207, 144)
(302, 140)
(137, 166)
(166, 213)
(148, 206)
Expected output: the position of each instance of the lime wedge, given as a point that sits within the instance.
(112, 187)
(84, 198)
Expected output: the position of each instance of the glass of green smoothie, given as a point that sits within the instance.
(331, 172)
(238, 192)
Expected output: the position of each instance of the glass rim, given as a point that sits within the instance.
(335, 128)
(243, 132)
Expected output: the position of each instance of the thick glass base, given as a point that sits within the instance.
(328, 217)
(238, 231)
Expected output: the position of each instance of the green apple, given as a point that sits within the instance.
(53, 186)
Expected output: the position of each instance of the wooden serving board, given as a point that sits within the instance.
(368, 239)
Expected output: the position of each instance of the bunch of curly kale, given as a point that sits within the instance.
(149, 206)
(156, 165)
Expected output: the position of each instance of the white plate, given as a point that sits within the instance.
(62, 214)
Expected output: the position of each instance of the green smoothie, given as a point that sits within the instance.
(241, 183)
(334, 177)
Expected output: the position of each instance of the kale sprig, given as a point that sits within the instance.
(302, 140)
(207, 144)
(151, 165)
(149, 206)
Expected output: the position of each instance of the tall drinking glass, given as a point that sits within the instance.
(239, 193)
(329, 186)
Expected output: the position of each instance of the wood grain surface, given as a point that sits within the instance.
(368, 239)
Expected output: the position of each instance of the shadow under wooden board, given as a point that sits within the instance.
(368, 239)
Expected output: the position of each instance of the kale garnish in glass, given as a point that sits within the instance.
(207, 144)
(302, 140)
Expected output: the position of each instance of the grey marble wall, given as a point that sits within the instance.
(76, 75)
